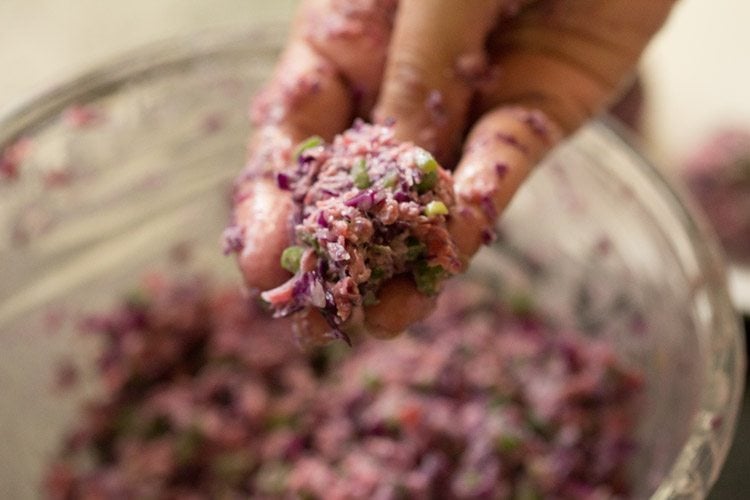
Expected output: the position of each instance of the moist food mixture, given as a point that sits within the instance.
(368, 208)
(207, 397)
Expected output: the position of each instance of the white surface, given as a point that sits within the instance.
(698, 74)
(43, 42)
(739, 287)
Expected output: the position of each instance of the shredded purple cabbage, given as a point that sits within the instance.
(204, 396)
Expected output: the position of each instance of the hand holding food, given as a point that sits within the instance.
(510, 77)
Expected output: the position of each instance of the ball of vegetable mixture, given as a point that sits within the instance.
(368, 208)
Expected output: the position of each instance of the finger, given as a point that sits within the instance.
(499, 153)
(311, 329)
(569, 61)
(427, 96)
(305, 97)
(354, 35)
(400, 304)
(308, 94)
(423, 87)
(564, 62)
(262, 212)
(323, 71)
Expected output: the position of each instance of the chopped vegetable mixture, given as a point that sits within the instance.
(206, 397)
(368, 208)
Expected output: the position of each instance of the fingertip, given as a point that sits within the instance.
(343, 32)
(306, 94)
(400, 305)
(500, 152)
(422, 91)
(469, 229)
(310, 329)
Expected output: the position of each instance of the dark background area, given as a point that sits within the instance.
(734, 481)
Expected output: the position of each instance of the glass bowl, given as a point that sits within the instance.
(128, 169)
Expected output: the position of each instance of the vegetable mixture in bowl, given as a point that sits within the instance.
(207, 397)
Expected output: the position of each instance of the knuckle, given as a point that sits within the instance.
(407, 85)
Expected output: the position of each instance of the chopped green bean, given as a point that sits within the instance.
(290, 258)
(434, 208)
(359, 174)
(309, 143)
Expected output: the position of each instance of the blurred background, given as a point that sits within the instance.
(695, 78)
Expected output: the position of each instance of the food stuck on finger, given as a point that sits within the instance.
(367, 208)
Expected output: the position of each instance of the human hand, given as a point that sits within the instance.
(508, 78)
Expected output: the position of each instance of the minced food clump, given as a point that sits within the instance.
(203, 400)
(369, 207)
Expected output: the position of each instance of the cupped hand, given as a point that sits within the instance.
(488, 86)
